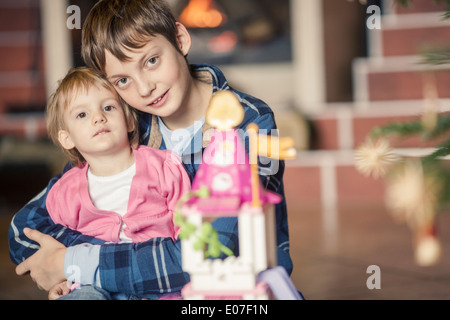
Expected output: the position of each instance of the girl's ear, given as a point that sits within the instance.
(184, 39)
(131, 124)
(65, 140)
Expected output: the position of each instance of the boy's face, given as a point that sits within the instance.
(156, 78)
(95, 123)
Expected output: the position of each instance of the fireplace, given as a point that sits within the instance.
(236, 31)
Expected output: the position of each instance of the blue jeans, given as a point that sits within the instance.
(88, 292)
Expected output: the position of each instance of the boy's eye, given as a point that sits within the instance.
(122, 82)
(81, 115)
(152, 61)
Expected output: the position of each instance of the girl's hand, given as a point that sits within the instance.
(59, 290)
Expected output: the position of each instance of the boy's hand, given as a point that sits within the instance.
(46, 266)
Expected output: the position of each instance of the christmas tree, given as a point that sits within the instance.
(417, 188)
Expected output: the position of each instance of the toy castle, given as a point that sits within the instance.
(230, 179)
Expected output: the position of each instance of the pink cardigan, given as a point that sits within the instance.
(159, 182)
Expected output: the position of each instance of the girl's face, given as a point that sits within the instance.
(95, 124)
(156, 78)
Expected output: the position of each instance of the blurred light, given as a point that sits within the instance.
(202, 14)
(223, 43)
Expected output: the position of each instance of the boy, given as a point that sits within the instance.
(142, 50)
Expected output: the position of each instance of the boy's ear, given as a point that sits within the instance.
(183, 38)
(65, 140)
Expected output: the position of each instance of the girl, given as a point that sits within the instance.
(115, 192)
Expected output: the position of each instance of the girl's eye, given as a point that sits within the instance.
(108, 108)
(81, 115)
(122, 82)
(152, 61)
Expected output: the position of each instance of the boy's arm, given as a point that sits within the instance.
(34, 215)
(153, 267)
(283, 255)
(271, 176)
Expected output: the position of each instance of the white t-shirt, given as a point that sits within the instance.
(111, 193)
(185, 142)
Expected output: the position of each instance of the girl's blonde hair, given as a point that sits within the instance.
(77, 81)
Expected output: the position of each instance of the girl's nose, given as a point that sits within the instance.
(99, 118)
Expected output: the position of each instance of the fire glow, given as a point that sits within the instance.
(202, 14)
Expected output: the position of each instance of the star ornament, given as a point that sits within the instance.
(374, 157)
(412, 195)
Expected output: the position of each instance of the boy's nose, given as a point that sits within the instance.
(145, 87)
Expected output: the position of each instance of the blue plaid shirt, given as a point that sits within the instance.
(153, 268)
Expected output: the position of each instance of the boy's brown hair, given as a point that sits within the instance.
(115, 25)
(78, 81)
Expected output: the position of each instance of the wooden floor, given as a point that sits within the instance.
(331, 261)
(331, 254)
